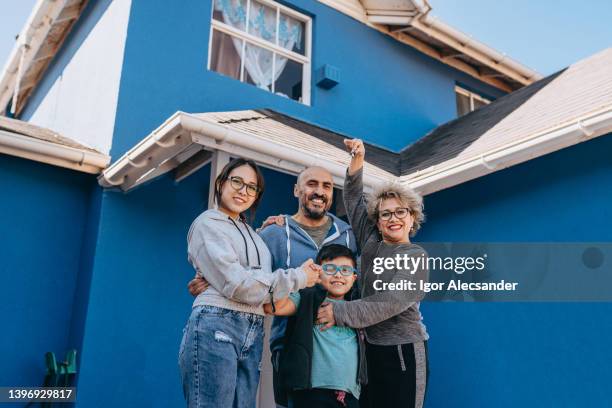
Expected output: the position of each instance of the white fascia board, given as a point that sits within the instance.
(440, 177)
(269, 154)
(182, 130)
(148, 154)
(52, 153)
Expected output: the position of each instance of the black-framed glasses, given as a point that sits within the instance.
(332, 269)
(237, 183)
(399, 214)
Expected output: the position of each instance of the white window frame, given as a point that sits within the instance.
(472, 96)
(305, 59)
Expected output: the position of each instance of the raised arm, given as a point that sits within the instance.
(212, 254)
(352, 194)
(383, 304)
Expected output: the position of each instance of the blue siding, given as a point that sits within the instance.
(388, 94)
(43, 216)
(526, 354)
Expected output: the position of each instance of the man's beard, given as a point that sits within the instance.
(315, 214)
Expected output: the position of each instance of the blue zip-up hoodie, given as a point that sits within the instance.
(290, 247)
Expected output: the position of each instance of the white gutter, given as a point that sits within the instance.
(438, 178)
(149, 153)
(52, 153)
(30, 40)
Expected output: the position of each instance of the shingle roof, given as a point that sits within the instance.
(565, 97)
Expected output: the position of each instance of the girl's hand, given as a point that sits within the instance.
(313, 273)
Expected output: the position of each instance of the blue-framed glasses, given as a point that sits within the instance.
(332, 269)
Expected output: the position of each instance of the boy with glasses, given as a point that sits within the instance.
(322, 368)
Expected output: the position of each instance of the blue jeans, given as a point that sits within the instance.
(219, 358)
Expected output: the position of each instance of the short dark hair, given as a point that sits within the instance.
(224, 175)
(332, 251)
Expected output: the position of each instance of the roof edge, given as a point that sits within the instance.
(55, 154)
(438, 178)
(31, 40)
(399, 27)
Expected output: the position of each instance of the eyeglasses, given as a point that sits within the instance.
(331, 269)
(399, 214)
(237, 183)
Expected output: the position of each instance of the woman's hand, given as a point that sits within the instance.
(357, 150)
(325, 316)
(313, 273)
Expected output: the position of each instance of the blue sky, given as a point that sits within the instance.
(545, 35)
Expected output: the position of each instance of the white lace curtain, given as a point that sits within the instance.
(258, 61)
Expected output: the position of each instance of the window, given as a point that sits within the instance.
(468, 101)
(262, 43)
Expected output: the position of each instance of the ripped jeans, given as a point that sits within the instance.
(220, 356)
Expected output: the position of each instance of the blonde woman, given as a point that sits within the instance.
(396, 339)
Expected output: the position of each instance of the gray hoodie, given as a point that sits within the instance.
(237, 264)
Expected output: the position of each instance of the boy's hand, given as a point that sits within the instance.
(273, 219)
(197, 285)
(325, 316)
(313, 273)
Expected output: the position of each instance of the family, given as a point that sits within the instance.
(335, 341)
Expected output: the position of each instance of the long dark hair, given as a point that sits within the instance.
(224, 175)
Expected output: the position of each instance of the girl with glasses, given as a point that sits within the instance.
(222, 343)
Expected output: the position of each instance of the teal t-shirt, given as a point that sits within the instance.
(335, 356)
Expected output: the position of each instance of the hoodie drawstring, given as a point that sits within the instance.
(288, 242)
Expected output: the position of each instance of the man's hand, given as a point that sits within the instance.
(273, 219)
(197, 285)
(325, 316)
(313, 272)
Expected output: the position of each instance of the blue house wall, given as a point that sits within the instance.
(524, 354)
(44, 225)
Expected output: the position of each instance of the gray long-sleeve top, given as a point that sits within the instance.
(237, 264)
(390, 317)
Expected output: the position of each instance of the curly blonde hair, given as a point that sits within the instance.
(405, 195)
